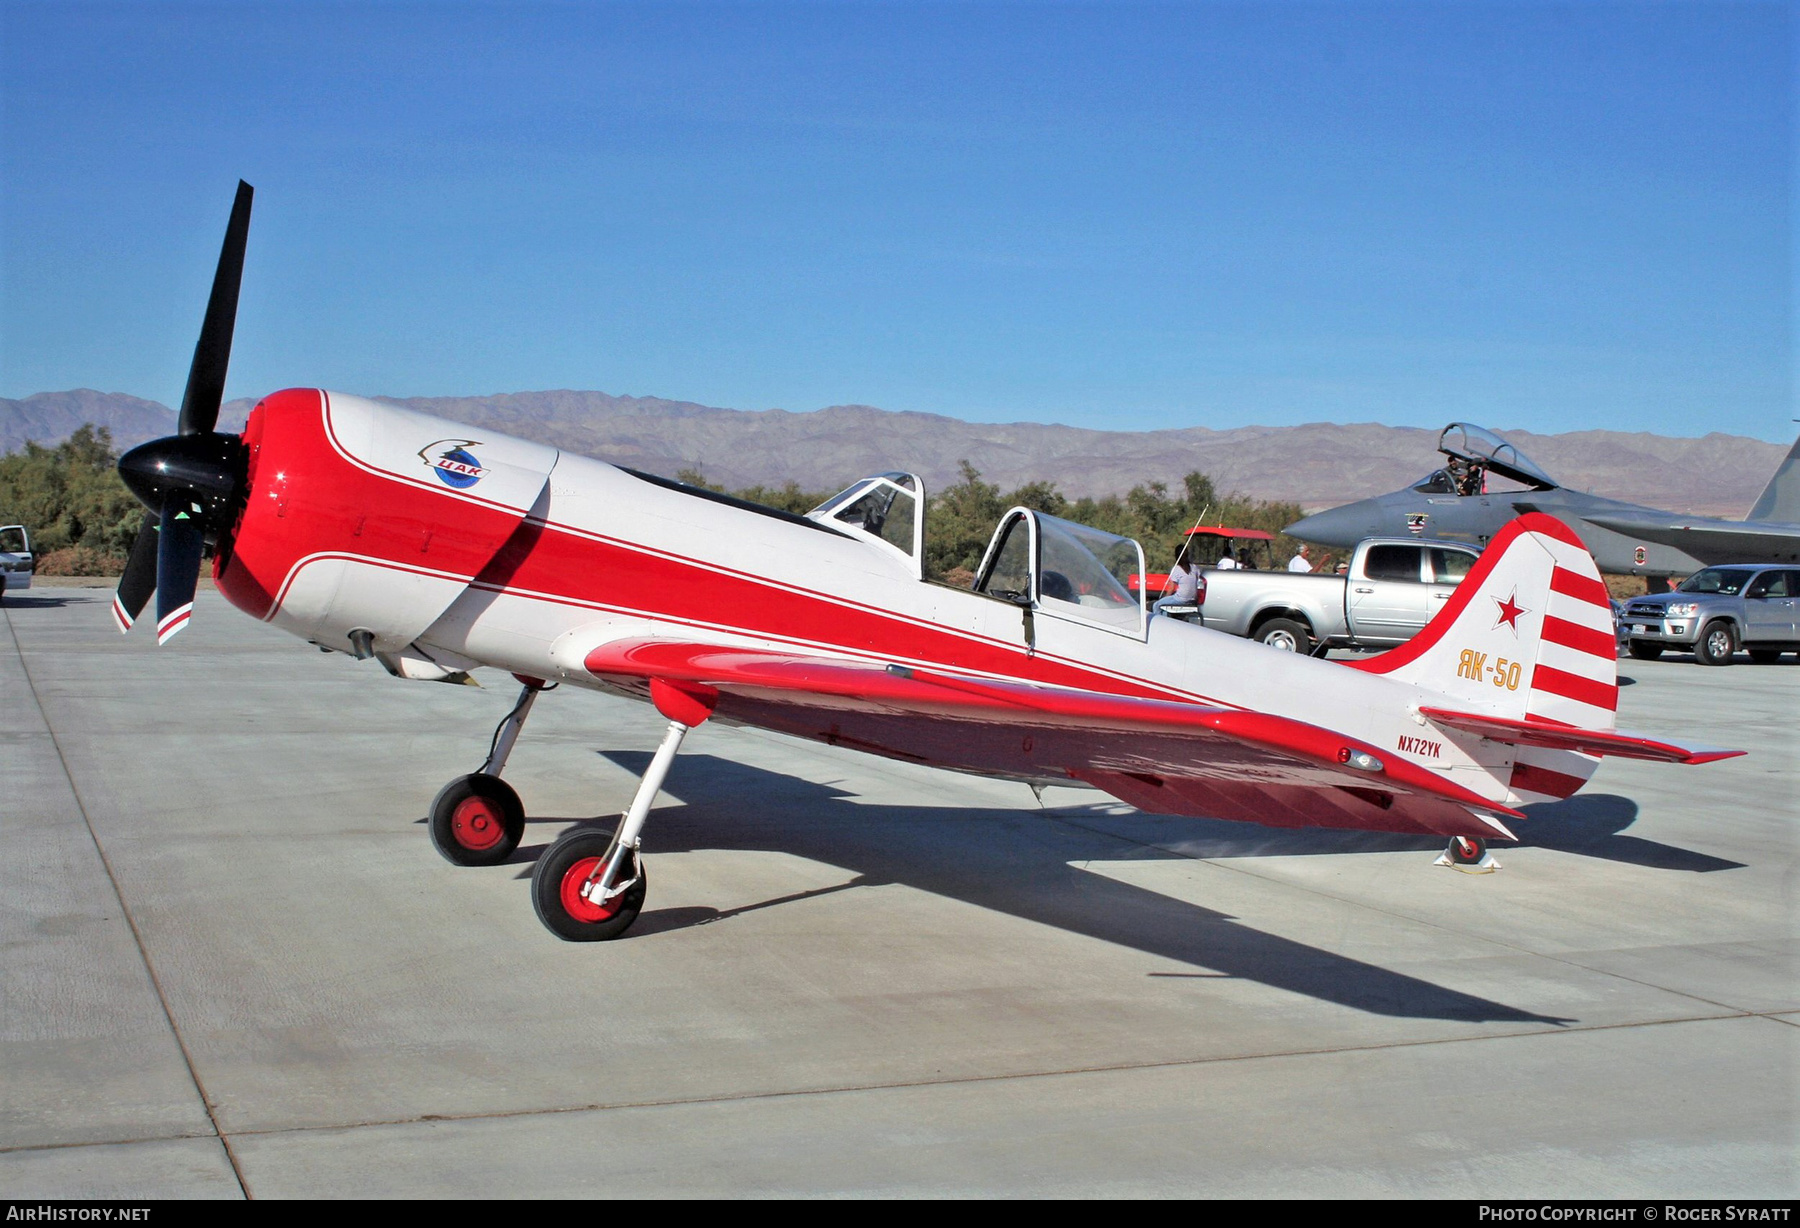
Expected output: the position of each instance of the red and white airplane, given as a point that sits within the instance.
(437, 548)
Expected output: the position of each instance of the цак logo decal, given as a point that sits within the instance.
(452, 461)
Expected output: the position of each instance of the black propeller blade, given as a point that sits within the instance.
(139, 580)
(191, 481)
(212, 354)
(177, 569)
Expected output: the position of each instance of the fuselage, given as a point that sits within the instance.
(459, 547)
(1477, 518)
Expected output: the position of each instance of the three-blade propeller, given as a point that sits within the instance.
(191, 481)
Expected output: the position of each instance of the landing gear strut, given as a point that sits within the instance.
(478, 820)
(1468, 854)
(590, 887)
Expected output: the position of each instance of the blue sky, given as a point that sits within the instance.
(1542, 216)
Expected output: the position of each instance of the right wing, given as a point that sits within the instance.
(1163, 756)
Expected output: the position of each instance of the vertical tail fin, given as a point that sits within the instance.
(1780, 499)
(1527, 637)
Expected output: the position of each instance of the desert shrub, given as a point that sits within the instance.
(80, 561)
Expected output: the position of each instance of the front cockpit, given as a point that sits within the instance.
(886, 509)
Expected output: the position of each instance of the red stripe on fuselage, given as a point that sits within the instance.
(307, 500)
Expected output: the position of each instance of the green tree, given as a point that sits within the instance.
(70, 494)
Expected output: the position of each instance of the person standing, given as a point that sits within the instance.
(1302, 561)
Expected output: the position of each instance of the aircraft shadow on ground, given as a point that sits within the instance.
(1592, 825)
(30, 602)
(1011, 861)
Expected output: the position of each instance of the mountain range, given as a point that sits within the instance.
(1317, 465)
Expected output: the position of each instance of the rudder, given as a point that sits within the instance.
(1528, 636)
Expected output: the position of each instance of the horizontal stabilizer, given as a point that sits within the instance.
(1567, 737)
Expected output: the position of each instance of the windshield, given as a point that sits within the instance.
(1728, 581)
(1437, 482)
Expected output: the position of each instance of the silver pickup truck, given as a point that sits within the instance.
(1392, 589)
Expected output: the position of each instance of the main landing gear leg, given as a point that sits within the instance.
(1468, 854)
(591, 886)
(478, 820)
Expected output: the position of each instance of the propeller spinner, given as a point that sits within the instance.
(191, 481)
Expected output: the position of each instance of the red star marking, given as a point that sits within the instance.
(1510, 609)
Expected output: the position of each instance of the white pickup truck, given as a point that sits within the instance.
(1393, 588)
(17, 563)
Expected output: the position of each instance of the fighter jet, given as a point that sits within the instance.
(1486, 482)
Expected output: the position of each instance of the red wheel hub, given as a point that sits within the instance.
(477, 824)
(574, 879)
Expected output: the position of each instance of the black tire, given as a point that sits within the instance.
(1466, 850)
(1285, 634)
(1765, 656)
(557, 880)
(1645, 652)
(477, 820)
(1716, 643)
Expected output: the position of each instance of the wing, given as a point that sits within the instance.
(1712, 540)
(1160, 755)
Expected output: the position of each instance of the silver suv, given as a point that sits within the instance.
(1719, 610)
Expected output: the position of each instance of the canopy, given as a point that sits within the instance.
(1465, 441)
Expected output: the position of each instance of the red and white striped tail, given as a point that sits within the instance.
(1528, 637)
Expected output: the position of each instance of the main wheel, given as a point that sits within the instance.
(1466, 851)
(1716, 643)
(477, 820)
(1765, 656)
(1645, 652)
(1285, 634)
(561, 873)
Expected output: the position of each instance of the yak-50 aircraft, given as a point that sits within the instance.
(1461, 501)
(435, 549)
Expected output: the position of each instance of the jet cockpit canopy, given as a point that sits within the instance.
(1475, 445)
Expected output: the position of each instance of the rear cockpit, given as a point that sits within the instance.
(1066, 570)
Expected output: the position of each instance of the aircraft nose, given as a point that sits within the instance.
(1342, 527)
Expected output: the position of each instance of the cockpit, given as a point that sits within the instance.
(1475, 454)
(1037, 561)
(885, 509)
(1066, 570)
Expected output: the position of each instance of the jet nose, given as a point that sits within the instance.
(1342, 527)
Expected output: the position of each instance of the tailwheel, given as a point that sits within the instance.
(477, 820)
(1468, 854)
(565, 888)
